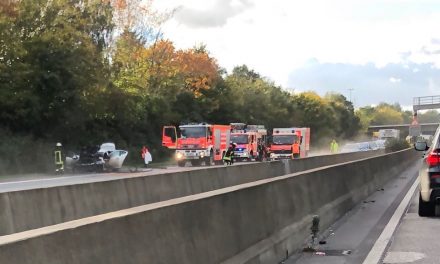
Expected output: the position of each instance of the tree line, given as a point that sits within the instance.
(84, 72)
(386, 114)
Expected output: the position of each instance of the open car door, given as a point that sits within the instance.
(169, 137)
(117, 158)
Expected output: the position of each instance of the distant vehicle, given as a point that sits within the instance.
(290, 143)
(247, 138)
(429, 175)
(426, 138)
(376, 135)
(380, 143)
(389, 134)
(97, 158)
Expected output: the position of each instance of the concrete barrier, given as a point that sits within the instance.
(30, 209)
(325, 160)
(255, 222)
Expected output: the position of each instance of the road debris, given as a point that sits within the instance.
(346, 252)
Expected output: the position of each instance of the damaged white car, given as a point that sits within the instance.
(97, 159)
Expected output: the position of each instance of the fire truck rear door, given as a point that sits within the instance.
(217, 139)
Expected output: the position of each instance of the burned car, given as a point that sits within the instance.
(97, 159)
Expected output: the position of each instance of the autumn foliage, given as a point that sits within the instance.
(90, 71)
(200, 71)
(8, 7)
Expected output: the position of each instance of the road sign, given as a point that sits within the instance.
(415, 130)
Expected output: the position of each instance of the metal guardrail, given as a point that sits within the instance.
(426, 100)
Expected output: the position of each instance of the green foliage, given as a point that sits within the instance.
(431, 116)
(395, 144)
(24, 154)
(64, 77)
(53, 64)
(387, 114)
(383, 114)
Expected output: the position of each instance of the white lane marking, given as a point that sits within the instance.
(79, 176)
(403, 257)
(381, 244)
(49, 179)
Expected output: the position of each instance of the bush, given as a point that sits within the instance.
(395, 144)
(24, 154)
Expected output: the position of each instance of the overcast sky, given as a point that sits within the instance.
(385, 50)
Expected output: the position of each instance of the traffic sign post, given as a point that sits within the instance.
(415, 130)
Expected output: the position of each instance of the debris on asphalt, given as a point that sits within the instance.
(309, 249)
(346, 252)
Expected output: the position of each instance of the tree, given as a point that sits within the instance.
(316, 113)
(386, 115)
(347, 123)
(55, 61)
(87, 71)
(198, 69)
(431, 116)
(383, 114)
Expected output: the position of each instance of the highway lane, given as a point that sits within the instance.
(416, 240)
(33, 181)
(354, 237)
(26, 182)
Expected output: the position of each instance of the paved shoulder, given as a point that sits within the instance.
(351, 239)
(417, 240)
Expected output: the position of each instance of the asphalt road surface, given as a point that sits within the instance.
(34, 181)
(379, 224)
(417, 239)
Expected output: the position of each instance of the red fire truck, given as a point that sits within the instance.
(247, 138)
(290, 143)
(197, 143)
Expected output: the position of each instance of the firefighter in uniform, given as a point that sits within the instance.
(260, 149)
(334, 147)
(59, 158)
(296, 150)
(229, 155)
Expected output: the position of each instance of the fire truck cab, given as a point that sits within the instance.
(247, 138)
(290, 143)
(197, 143)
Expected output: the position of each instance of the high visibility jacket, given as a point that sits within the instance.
(295, 148)
(59, 159)
(228, 155)
(334, 147)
